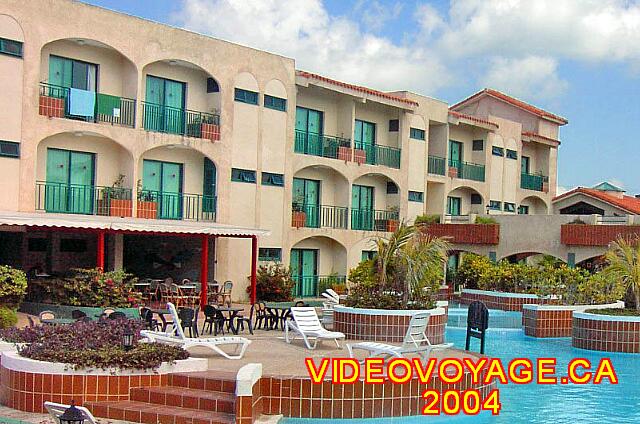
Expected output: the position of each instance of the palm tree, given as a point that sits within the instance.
(623, 264)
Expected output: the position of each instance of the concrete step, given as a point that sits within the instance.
(150, 413)
(203, 400)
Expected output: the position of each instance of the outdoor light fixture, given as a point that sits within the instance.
(72, 415)
(127, 340)
(488, 209)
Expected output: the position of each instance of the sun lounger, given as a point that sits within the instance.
(57, 409)
(306, 324)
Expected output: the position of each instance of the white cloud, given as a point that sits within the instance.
(532, 77)
(375, 15)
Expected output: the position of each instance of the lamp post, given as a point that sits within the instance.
(127, 339)
(72, 415)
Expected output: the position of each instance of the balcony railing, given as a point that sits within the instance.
(380, 155)
(466, 170)
(533, 181)
(317, 216)
(58, 102)
(166, 119)
(320, 145)
(154, 204)
(374, 220)
(83, 199)
(313, 285)
(436, 165)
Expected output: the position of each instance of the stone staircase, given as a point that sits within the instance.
(189, 398)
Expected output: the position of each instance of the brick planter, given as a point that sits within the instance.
(385, 325)
(554, 320)
(148, 210)
(595, 235)
(210, 131)
(52, 107)
(298, 219)
(344, 153)
(500, 300)
(359, 156)
(465, 233)
(606, 333)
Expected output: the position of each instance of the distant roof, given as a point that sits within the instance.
(515, 102)
(354, 87)
(473, 118)
(607, 186)
(629, 203)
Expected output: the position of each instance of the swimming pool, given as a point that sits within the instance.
(542, 404)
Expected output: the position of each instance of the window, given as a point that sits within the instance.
(270, 254)
(364, 133)
(394, 125)
(73, 245)
(512, 154)
(10, 47)
(275, 103)
(493, 257)
(478, 145)
(509, 207)
(416, 196)
(9, 149)
(270, 179)
(523, 210)
(243, 175)
(37, 245)
(476, 199)
(571, 260)
(494, 205)
(212, 86)
(246, 96)
(416, 133)
(367, 255)
(392, 188)
(454, 206)
(497, 151)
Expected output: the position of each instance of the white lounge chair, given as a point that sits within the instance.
(415, 342)
(331, 299)
(57, 409)
(177, 338)
(306, 324)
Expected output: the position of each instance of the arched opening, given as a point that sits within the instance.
(533, 205)
(320, 198)
(87, 80)
(176, 182)
(593, 264)
(375, 203)
(181, 98)
(317, 263)
(533, 258)
(93, 180)
(463, 201)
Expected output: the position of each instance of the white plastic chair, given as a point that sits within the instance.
(176, 337)
(306, 324)
(415, 341)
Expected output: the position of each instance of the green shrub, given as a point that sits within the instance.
(13, 285)
(88, 287)
(427, 219)
(8, 317)
(274, 283)
(594, 289)
(485, 220)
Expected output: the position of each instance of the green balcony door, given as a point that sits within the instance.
(164, 111)
(364, 137)
(455, 155)
(70, 73)
(525, 164)
(164, 182)
(309, 124)
(454, 206)
(304, 271)
(362, 214)
(70, 178)
(306, 198)
(209, 188)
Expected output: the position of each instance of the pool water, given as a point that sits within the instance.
(542, 404)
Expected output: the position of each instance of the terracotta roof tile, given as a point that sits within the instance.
(358, 88)
(536, 135)
(472, 118)
(628, 203)
(515, 102)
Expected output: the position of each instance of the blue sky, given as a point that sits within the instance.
(577, 58)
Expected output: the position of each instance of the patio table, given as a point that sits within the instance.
(278, 310)
(233, 312)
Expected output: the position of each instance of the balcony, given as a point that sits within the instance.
(436, 165)
(466, 170)
(374, 154)
(374, 220)
(537, 182)
(322, 145)
(178, 206)
(64, 102)
(319, 216)
(189, 123)
(465, 233)
(313, 285)
(83, 199)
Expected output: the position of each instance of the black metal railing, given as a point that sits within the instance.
(166, 119)
(83, 199)
(322, 216)
(170, 205)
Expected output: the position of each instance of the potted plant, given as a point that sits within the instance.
(390, 222)
(147, 203)
(116, 200)
(298, 214)
(210, 127)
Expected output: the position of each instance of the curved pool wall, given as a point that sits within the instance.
(539, 404)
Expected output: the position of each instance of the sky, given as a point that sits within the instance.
(576, 58)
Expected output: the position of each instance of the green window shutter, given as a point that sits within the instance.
(246, 96)
(9, 149)
(271, 179)
(270, 254)
(512, 154)
(497, 151)
(416, 134)
(243, 176)
(275, 103)
(416, 196)
(495, 205)
(11, 47)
